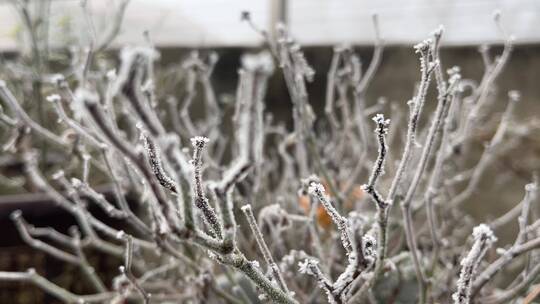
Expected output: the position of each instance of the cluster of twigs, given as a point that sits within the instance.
(259, 198)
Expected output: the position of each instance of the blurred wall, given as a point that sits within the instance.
(217, 23)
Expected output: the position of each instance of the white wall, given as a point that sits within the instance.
(409, 21)
(215, 23)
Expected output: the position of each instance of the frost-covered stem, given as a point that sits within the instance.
(136, 159)
(98, 198)
(201, 201)
(415, 252)
(129, 83)
(35, 21)
(113, 28)
(483, 239)
(82, 216)
(295, 73)
(158, 271)
(227, 216)
(417, 106)
(382, 206)
(531, 195)
(435, 54)
(5, 119)
(316, 189)
(330, 88)
(172, 104)
(488, 156)
(510, 215)
(267, 255)
(103, 123)
(154, 160)
(12, 102)
(511, 293)
(126, 268)
(312, 146)
(205, 241)
(50, 233)
(85, 167)
(438, 122)
(22, 228)
(121, 199)
(433, 186)
(248, 268)
(375, 59)
(382, 240)
(233, 175)
(190, 93)
(49, 287)
(486, 85)
(378, 168)
(181, 165)
(519, 247)
(56, 100)
(208, 90)
(311, 267)
(316, 237)
(87, 269)
(360, 89)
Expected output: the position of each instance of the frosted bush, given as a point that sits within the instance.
(319, 199)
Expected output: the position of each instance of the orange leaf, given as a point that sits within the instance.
(304, 203)
(323, 218)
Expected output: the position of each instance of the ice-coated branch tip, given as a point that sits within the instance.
(514, 95)
(483, 232)
(307, 266)
(423, 46)
(483, 240)
(199, 141)
(382, 124)
(316, 189)
(53, 98)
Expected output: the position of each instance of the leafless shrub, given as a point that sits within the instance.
(190, 220)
